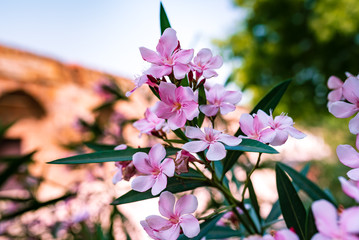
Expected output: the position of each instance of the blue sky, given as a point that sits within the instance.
(106, 35)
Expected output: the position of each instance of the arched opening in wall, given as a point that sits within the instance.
(14, 106)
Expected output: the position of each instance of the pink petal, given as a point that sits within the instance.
(149, 230)
(349, 220)
(335, 95)
(180, 70)
(334, 82)
(295, 133)
(190, 226)
(227, 108)
(216, 151)
(354, 125)
(319, 236)
(354, 174)
(171, 233)
(285, 234)
(142, 183)
(142, 163)
(357, 141)
(203, 56)
(351, 90)
(190, 110)
(261, 120)
(168, 167)
(267, 135)
(167, 43)
(177, 120)
(348, 156)
(186, 204)
(150, 56)
(209, 73)
(166, 204)
(156, 154)
(195, 146)
(229, 140)
(209, 110)
(162, 110)
(280, 138)
(325, 216)
(159, 71)
(215, 63)
(342, 109)
(349, 188)
(167, 92)
(158, 223)
(194, 132)
(159, 185)
(246, 124)
(117, 177)
(233, 97)
(183, 56)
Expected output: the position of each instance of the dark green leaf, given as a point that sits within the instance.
(164, 22)
(155, 92)
(293, 211)
(218, 232)
(205, 227)
(4, 128)
(184, 82)
(313, 191)
(202, 100)
(250, 145)
(108, 156)
(310, 227)
(179, 133)
(99, 147)
(254, 201)
(174, 185)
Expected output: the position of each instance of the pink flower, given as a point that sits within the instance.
(336, 85)
(220, 99)
(154, 171)
(177, 105)
(349, 157)
(284, 234)
(150, 123)
(139, 81)
(330, 226)
(177, 217)
(257, 126)
(124, 170)
(181, 162)
(350, 188)
(204, 63)
(210, 139)
(168, 58)
(282, 126)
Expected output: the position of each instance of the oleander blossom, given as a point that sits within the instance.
(150, 123)
(284, 234)
(349, 157)
(204, 63)
(219, 99)
(210, 139)
(168, 58)
(139, 81)
(177, 105)
(336, 85)
(350, 188)
(154, 170)
(177, 216)
(332, 226)
(182, 160)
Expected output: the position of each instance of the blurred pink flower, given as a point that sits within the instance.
(220, 99)
(120, 147)
(168, 57)
(177, 217)
(154, 171)
(177, 105)
(330, 226)
(336, 85)
(257, 126)
(284, 234)
(150, 123)
(349, 157)
(124, 170)
(282, 126)
(210, 139)
(350, 188)
(204, 63)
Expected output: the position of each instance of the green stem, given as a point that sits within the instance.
(250, 174)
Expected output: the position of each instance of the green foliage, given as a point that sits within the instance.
(307, 40)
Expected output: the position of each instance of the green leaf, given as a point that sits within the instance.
(99, 147)
(254, 201)
(218, 232)
(302, 182)
(4, 128)
(179, 133)
(250, 145)
(174, 185)
(293, 211)
(164, 22)
(108, 156)
(205, 227)
(202, 100)
(310, 227)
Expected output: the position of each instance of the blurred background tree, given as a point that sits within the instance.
(307, 40)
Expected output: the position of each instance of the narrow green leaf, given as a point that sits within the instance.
(4, 128)
(179, 133)
(99, 147)
(254, 200)
(310, 227)
(250, 145)
(202, 100)
(184, 82)
(174, 185)
(155, 92)
(293, 211)
(164, 22)
(219, 232)
(313, 191)
(108, 156)
(205, 228)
